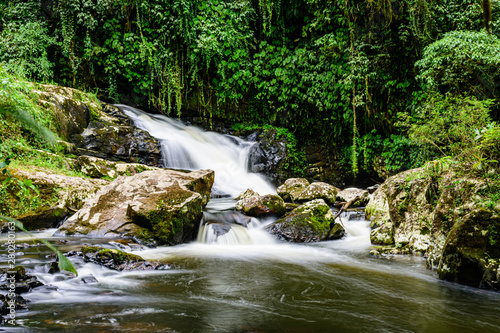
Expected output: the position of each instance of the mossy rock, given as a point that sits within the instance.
(318, 190)
(310, 222)
(262, 205)
(292, 188)
(472, 244)
(118, 260)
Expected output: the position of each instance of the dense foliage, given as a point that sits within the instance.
(330, 71)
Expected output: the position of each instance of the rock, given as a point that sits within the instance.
(349, 194)
(220, 229)
(442, 217)
(89, 279)
(246, 194)
(269, 155)
(65, 194)
(318, 190)
(54, 267)
(118, 260)
(18, 304)
(292, 188)
(309, 222)
(98, 168)
(69, 106)
(291, 206)
(471, 254)
(119, 143)
(383, 234)
(23, 282)
(161, 205)
(262, 205)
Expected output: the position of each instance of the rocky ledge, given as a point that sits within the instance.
(448, 218)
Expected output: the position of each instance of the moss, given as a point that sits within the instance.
(117, 256)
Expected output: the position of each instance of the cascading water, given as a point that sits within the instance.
(188, 147)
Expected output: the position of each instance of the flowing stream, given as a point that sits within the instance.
(238, 278)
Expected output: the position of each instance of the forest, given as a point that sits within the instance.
(358, 76)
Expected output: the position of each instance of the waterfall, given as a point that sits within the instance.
(189, 147)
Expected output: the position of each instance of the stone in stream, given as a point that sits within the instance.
(23, 282)
(20, 304)
(471, 255)
(298, 190)
(246, 194)
(164, 206)
(262, 205)
(113, 137)
(318, 190)
(117, 260)
(309, 222)
(292, 188)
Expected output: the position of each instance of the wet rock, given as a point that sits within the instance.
(119, 143)
(118, 260)
(349, 194)
(14, 304)
(46, 289)
(318, 190)
(98, 168)
(18, 279)
(54, 267)
(310, 222)
(292, 188)
(442, 217)
(471, 255)
(220, 228)
(162, 205)
(246, 194)
(88, 279)
(262, 205)
(269, 155)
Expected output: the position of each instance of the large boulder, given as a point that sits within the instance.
(292, 188)
(444, 217)
(262, 205)
(471, 254)
(318, 190)
(163, 206)
(310, 222)
(58, 196)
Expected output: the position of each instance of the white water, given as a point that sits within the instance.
(189, 147)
